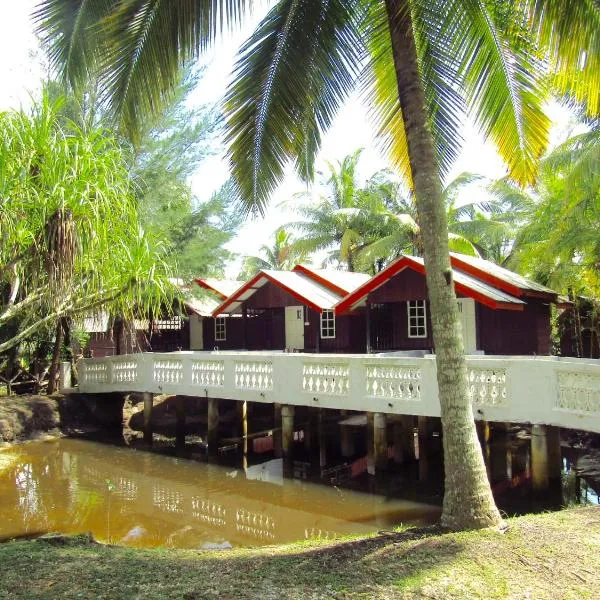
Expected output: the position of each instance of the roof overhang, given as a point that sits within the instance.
(358, 297)
(235, 301)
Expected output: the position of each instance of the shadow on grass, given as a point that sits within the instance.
(365, 566)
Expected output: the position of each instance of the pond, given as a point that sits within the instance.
(148, 499)
(145, 499)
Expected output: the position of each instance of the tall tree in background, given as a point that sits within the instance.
(341, 221)
(427, 61)
(66, 206)
(282, 254)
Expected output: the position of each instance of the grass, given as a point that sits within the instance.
(551, 555)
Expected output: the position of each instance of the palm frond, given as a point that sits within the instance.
(502, 80)
(568, 32)
(287, 88)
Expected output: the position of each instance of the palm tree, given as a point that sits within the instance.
(398, 230)
(560, 244)
(282, 255)
(342, 222)
(426, 62)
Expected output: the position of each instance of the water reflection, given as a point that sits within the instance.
(144, 499)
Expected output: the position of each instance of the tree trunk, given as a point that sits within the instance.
(468, 500)
(53, 373)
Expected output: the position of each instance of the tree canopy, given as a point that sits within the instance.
(71, 237)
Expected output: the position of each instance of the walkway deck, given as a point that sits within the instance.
(522, 389)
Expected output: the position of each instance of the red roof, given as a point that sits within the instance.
(305, 289)
(464, 284)
(340, 282)
(221, 287)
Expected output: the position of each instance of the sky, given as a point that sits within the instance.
(21, 70)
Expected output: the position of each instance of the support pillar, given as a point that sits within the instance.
(277, 430)
(554, 453)
(380, 441)
(540, 476)
(180, 405)
(370, 437)
(408, 437)
(212, 435)
(398, 440)
(322, 439)
(423, 447)
(287, 430)
(148, 401)
(243, 414)
(346, 438)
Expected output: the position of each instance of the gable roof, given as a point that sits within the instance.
(305, 289)
(222, 287)
(506, 280)
(464, 284)
(202, 307)
(340, 282)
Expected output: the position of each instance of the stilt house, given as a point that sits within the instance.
(501, 312)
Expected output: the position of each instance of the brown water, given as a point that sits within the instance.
(143, 499)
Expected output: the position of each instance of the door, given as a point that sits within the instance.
(294, 327)
(466, 313)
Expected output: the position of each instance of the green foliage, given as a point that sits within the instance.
(489, 59)
(282, 255)
(560, 246)
(71, 237)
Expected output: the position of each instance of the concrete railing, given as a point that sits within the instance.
(543, 390)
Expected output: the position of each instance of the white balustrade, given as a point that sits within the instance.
(393, 382)
(545, 390)
(168, 371)
(487, 387)
(332, 379)
(208, 373)
(254, 375)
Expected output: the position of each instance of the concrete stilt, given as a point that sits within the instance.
(287, 430)
(540, 476)
(398, 440)
(322, 439)
(346, 438)
(180, 405)
(243, 414)
(380, 441)
(370, 437)
(213, 425)
(148, 401)
(554, 453)
(423, 447)
(277, 450)
(309, 430)
(408, 437)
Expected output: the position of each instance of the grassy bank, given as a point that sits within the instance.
(25, 417)
(553, 555)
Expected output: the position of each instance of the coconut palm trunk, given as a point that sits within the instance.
(468, 501)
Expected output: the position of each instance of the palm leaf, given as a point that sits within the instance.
(287, 88)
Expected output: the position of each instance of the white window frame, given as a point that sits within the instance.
(327, 324)
(220, 329)
(416, 313)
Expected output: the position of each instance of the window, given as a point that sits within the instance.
(417, 321)
(220, 331)
(327, 324)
